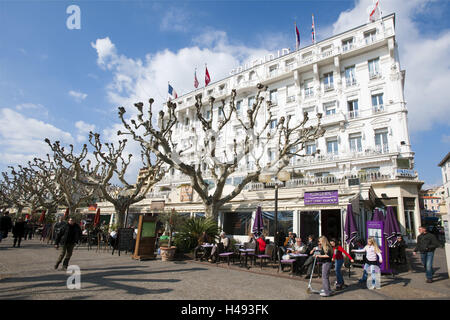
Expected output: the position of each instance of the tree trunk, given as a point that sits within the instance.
(120, 217)
(212, 211)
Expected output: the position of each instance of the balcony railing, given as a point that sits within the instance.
(374, 75)
(350, 82)
(353, 114)
(377, 109)
(328, 87)
(290, 99)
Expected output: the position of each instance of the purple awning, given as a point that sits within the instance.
(350, 226)
(391, 228)
(258, 225)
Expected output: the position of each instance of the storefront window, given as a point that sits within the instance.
(237, 223)
(285, 222)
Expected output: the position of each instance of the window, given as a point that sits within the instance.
(252, 75)
(310, 111)
(328, 81)
(290, 94)
(250, 102)
(381, 140)
(186, 121)
(310, 147)
(374, 69)
(273, 124)
(207, 114)
(329, 108)
(221, 112)
(270, 155)
(347, 44)
(377, 102)
(239, 107)
(350, 78)
(274, 96)
(353, 108)
(355, 142)
(332, 146)
(309, 92)
(370, 36)
(273, 70)
(289, 64)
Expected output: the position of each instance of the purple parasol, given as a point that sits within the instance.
(350, 225)
(258, 225)
(391, 228)
(378, 215)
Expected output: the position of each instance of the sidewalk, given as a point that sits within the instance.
(27, 273)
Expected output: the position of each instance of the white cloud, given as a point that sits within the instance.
(35, 109)
(77, 95)
(426, 58)
(445, 138)
(22, 138)
(83, 129)
(175, 19)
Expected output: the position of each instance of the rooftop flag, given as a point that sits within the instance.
(172, 92)
(207, 77)
(375, 13)
(313, 31)
(297, 36)
(195, 79)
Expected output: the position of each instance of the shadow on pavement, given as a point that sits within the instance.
(100, 279)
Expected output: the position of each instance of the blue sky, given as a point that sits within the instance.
(61, 83)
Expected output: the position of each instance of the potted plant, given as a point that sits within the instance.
(171, 220)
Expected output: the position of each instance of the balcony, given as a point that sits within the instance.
(328, 87)
(353, 114)
(374, 75)
(350, 83)
(378, 109)
(290, 99)
(347, 47)
(309, 93)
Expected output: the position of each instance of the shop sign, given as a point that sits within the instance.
(322, 197)
(186, 193)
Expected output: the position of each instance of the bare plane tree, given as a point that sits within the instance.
(110, 162)
(212, 164)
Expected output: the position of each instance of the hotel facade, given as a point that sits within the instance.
(355, 80)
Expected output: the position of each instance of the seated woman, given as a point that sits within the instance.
(202, 240)
(261, 241)
(225, 244)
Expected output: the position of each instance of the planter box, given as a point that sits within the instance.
(167, 254)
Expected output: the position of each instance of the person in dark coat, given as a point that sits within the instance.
(69, 236)
(58, 226)
(5, 224)
(426, 244)
(399, 251)
(18, 232)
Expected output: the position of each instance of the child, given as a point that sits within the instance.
(372, 264)
(325, 255)
(338, 258)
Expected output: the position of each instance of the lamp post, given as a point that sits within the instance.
(265, 178)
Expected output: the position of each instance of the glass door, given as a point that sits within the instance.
(309, 224)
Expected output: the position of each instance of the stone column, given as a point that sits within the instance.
(417, 220)
(401, 214)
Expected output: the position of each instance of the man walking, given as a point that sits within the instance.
(426, 244)
(18, 231)
(69, 235)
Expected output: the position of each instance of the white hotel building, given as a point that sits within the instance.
(355, 80)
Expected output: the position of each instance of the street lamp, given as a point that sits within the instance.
(265, 178)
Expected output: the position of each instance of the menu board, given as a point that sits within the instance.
(148, 229)
(125, 239)
(145, 239)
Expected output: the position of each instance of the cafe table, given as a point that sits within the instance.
(247, 252)
(300, 259)
(207, 247)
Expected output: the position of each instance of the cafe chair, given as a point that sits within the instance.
(284, 262)
(246, 255)
(267, 255)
